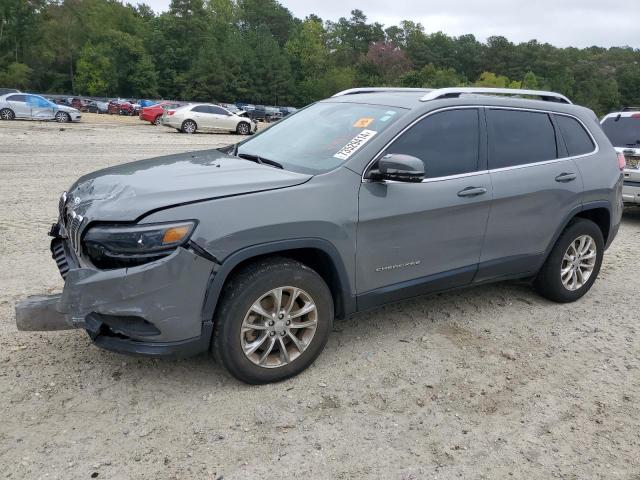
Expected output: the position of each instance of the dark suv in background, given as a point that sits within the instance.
(252, 250)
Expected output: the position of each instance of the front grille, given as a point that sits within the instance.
(60, 256)
(73, 224)
(633, 161)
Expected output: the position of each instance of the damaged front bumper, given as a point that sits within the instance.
(151, 309)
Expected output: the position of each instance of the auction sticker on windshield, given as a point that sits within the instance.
(354, 145)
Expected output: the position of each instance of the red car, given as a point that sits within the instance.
(119, 107)
(153, 114)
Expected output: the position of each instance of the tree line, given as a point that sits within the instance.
(257, 51)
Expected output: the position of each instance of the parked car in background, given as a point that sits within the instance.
(4, 91)
(146, 103)
(258, 113)
(34, 107)
(623, 130)
(79, 104)
(206, 117)
(95, 106)
(153, 113)
(272, 114)
(120, 107)
(287, 110)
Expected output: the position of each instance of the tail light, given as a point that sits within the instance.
(622, 162)
(171, 112)
(635, 115)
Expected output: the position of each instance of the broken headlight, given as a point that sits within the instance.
(110, 246)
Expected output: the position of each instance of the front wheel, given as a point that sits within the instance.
(574, 263)
(7, 114)
(157, 120)
(189, 126)
(63, 117)
(243, 128)
(273, 321)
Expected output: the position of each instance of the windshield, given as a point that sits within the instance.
(623, 131)
(322, 136)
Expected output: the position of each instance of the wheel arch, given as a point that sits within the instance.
(318, 254)
(598, 212)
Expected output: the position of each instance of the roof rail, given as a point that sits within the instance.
(352, 91)
(457, 91)
(630, 109)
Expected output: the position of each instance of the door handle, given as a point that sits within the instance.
(472, 192)
(566, 177)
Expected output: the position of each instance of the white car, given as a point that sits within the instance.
(623, 130)
(34, 107)
(206, 117)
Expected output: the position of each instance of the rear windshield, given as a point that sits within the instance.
(623, 131)
(322, 136)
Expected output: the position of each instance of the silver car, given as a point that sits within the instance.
(26, 106)
(207, 117)
(623, 130)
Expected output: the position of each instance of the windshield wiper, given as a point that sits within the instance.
(260, 160)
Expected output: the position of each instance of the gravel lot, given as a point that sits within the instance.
(490, 382)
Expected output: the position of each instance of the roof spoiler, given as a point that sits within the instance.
(454, 92)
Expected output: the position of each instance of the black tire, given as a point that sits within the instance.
(243, 128)
(63, 117)
(7, 114)
(240, 293)
(156, 121)
(189, 126)
(548, 282)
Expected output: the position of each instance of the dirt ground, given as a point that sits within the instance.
(491, 382)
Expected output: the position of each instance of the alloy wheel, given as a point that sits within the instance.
(578, 262)
(62, 117)
(6, 114)
(189, 127)
(279, 327)
(243, 128)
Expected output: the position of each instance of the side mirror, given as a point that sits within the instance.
(399, 167)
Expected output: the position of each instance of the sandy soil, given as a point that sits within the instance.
(491, 382)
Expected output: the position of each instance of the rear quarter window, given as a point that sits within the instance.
(576, 138)
(518, 137)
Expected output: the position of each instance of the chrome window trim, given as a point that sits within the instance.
(376, 157)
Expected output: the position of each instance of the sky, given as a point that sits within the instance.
(577, 23)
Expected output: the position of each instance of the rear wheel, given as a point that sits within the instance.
(574, 263)
(243, 128)
(273, 321)
(7, 114)
(156, 121)
(189, 126)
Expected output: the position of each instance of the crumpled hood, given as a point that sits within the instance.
(127, 192)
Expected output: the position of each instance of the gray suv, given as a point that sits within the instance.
(252, 250)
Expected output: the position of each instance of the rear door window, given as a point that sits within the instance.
(17, 98)
(218, 111)
(447, 142)
(519, 137)
(576, 138)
